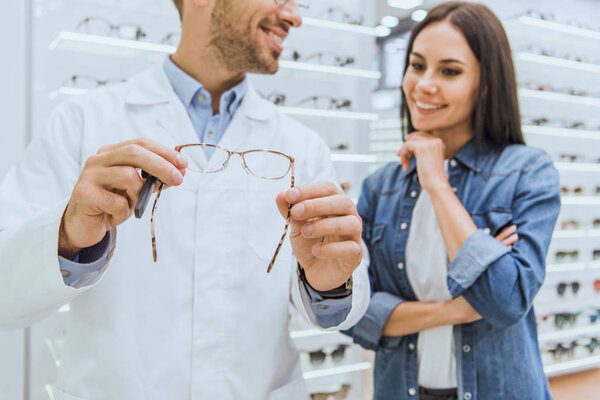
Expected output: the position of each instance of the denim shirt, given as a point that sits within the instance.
(497, 357)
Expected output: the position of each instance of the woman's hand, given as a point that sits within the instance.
(429, 152)
(459, 311)
(508, 236)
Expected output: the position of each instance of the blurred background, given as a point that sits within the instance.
(340, 74)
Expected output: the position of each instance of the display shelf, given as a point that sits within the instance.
(572, 366)
(528, 25)
(577, 167)
(559, 97)
(338, 26)
(561, 132)
(575, 233)
(566, 267)
(556, 62)
(110, 46)
(311, 112)
(563, 334)
(580, 200)
(343, 369)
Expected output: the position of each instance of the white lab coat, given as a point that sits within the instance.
(205, 321)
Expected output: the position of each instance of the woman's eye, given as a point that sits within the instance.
(417, 66)
(450, 72)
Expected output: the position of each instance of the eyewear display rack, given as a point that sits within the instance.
(561, 116)
(330, 31)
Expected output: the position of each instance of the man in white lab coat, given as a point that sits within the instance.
(205, 321)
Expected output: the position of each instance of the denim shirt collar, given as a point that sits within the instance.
(186, 88)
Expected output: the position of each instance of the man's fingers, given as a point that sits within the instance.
(311, 191)
(348, 225)
(335, 205)
(123, 179)
(348, 250)
(108, 202)
(511, 240)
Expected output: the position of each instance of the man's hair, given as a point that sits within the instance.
(179, 6)
(496, 115)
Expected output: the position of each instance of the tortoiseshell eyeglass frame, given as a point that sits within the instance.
(223, 166)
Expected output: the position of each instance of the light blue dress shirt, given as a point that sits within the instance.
(210, 129)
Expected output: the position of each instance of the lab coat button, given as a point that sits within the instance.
(323, 307)
(65, 273)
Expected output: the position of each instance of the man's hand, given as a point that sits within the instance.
(108, 188)
(508, 236)
(325, 232)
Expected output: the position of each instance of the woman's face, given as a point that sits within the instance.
(442, 80)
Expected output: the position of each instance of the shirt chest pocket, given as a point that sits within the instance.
(376, 242)
(492, 221)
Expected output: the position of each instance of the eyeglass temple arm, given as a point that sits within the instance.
(160, 188)
(287, 224)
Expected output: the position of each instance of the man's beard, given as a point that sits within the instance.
(235, 46)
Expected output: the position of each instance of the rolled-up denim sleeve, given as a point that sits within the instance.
(500, 284)
(368, 332)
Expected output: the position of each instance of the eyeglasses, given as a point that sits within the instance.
(593, 345)
(264, 164)
(567, 256)
(276, 98)
(322, 57)
(597, 285)
(171, 38)
(565, 190)
(100, 26)
(561, 288)
(565, 320)
(336, 14)
(570, 224)
(326, 102)
(89, 82)
(569, 157)
(562, 350)
(596, 255)
(337, 354)
(338, 395)
(555, 122)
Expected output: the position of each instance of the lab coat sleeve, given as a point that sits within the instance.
(319, 163)
(33, 197)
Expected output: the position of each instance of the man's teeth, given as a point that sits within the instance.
(276, 38)
(429, 106)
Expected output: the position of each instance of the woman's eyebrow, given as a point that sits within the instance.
(444, 61)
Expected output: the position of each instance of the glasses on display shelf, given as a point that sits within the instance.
(597, 191)
(264, 164)
(544, 87)
(534, 13)
(565, 320)
(570, 157)
(337, 354)
(562, 287)
(321, 57)
(596, 223)
(597, 285)
(542, 51)
(103, 27)
(276, 98)
(341, 394)
(326, 103)
(594, 315)
(346, 186)
(570, 224)
(336, 14)
(555, 123)
(596, 255)
(171, 38)
(567, 256)
(577, 190)
(592, 345)
(89, 82)
(342, 146)
(562, 351)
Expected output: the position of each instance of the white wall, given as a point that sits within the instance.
(13, 94)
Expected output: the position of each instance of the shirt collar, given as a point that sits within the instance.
(186, 87)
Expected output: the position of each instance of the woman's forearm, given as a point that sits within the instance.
(415, 316)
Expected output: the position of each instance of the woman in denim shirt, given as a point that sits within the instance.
(451, 312)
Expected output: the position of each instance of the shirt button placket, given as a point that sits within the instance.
(467, 396)
(412, 391)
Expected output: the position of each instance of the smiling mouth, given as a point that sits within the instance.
(430, 106)
(275, 40)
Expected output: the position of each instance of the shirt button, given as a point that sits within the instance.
(467, 396)
(211, 134)
(323, 307)
(486, 231)
(454, 189)
(201, 97)
(403, 225)
(453, 163)
(412, 391)
(466, 348)
(400, 265)
(411, 346)
(413, 193)
(65, 273)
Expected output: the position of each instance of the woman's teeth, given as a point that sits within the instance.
(429, 106)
